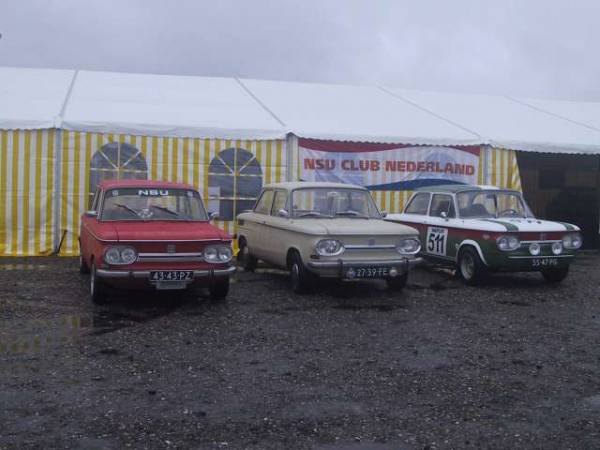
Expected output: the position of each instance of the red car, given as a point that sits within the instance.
(152, 235)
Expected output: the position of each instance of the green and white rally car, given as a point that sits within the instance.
(483, 229)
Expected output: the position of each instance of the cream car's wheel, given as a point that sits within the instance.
(245, 258)
(470, 267)
(397, 283)
(97, 289)
(301, 280)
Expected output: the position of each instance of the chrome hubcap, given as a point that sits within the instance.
(467, 267)
(92, 279)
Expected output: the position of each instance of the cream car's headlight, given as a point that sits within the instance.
(572, 241)
(329, 247)
(409, 246)
(218, 254)
(507, 243)
(120, 255)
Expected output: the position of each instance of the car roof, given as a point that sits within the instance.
(454, 188)
(290, 185)
(150, 184)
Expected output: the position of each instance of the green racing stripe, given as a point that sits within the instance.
(568, 226)
(509, 226)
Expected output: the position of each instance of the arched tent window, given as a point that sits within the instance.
(117, 161)
(234, 182)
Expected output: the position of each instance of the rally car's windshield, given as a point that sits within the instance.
(152, 204)
(492, 204)
(327, 202)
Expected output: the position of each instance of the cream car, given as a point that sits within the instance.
(328, 230)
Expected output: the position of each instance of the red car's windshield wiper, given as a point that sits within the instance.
(131, 210)
(167, 210)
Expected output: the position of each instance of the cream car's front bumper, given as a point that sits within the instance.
(339, 267)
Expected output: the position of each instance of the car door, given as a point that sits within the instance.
(415, 213)
(257, 238)
(275, 233)
(441, 227)
(88, 222)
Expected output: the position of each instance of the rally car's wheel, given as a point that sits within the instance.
(555, 275)
(97, 289)
(245, 258)
(83, 267)
(470, 266)
(397, 283)
(301, 280)
(219, 289)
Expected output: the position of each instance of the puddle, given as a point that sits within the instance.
(38, 336)
(373, 306)
(24, 267)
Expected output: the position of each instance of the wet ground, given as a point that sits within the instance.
(512, 364)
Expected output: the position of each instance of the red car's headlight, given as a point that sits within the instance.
(120, 255)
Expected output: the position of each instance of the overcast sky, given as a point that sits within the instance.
(546, 48)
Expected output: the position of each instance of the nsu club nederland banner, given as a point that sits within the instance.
(387, 167)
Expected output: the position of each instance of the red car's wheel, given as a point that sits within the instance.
(219, 290)
(97, 289)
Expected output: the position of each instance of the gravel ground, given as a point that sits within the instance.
(512, 364)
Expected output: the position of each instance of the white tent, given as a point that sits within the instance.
(161, 105)
(506, 123)
(32, 98)
(354, 113)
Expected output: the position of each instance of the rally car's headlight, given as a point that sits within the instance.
(120, 255)
(572, 241)
(507, 243)
(218, 254)
(409, 246)
(329, 247)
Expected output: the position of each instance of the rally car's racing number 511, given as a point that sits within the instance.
(437, 239)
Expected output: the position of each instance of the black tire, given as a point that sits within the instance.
(219, 289)
(97, 288)
(301, 280)
(470, 267)
(555, 275)
(245, 258)
(83, 267)
(397, 283)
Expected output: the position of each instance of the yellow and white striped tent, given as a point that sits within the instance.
(54, 123)
(185, 160)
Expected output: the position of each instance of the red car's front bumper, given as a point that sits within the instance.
(141, 278)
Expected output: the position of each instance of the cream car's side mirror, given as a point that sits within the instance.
(283, 213)
(383, 213)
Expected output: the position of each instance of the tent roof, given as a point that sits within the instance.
(32, 98)
(166, 105)
(584, 113)
(354, 113)
(228, 108)
(505, 122)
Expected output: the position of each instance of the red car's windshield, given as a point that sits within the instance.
(152, 204)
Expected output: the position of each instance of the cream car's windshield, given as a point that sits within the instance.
(491, 204)
(152, 204)
(337, 202)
